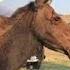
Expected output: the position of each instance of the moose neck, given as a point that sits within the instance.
(24, 15)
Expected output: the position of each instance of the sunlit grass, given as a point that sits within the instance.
(53, 66)
(55, 61)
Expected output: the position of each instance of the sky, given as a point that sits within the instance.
(7, 7)
(61, 6)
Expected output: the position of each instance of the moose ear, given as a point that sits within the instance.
(41, 2)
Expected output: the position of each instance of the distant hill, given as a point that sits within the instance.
(66, 18)
(5, 11)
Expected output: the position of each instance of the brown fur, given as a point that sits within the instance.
(19, 44)
(51, 30)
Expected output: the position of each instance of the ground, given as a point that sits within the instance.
(66, 18)
(55, 61)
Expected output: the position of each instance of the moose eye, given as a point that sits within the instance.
(57, 18)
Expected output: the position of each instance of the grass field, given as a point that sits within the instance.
(55, 61)
(53, 66)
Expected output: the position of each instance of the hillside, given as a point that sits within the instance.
(66, 18)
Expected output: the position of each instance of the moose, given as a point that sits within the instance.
(32, 27)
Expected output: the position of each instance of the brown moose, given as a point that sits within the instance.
(32, 27)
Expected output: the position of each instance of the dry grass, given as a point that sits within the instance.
(66, 18)
(56, 57)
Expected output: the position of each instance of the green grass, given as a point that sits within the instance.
(55, 61)
(53, 66)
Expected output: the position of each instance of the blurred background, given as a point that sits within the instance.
(7, 7)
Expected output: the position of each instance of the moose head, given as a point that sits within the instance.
(50, 29)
